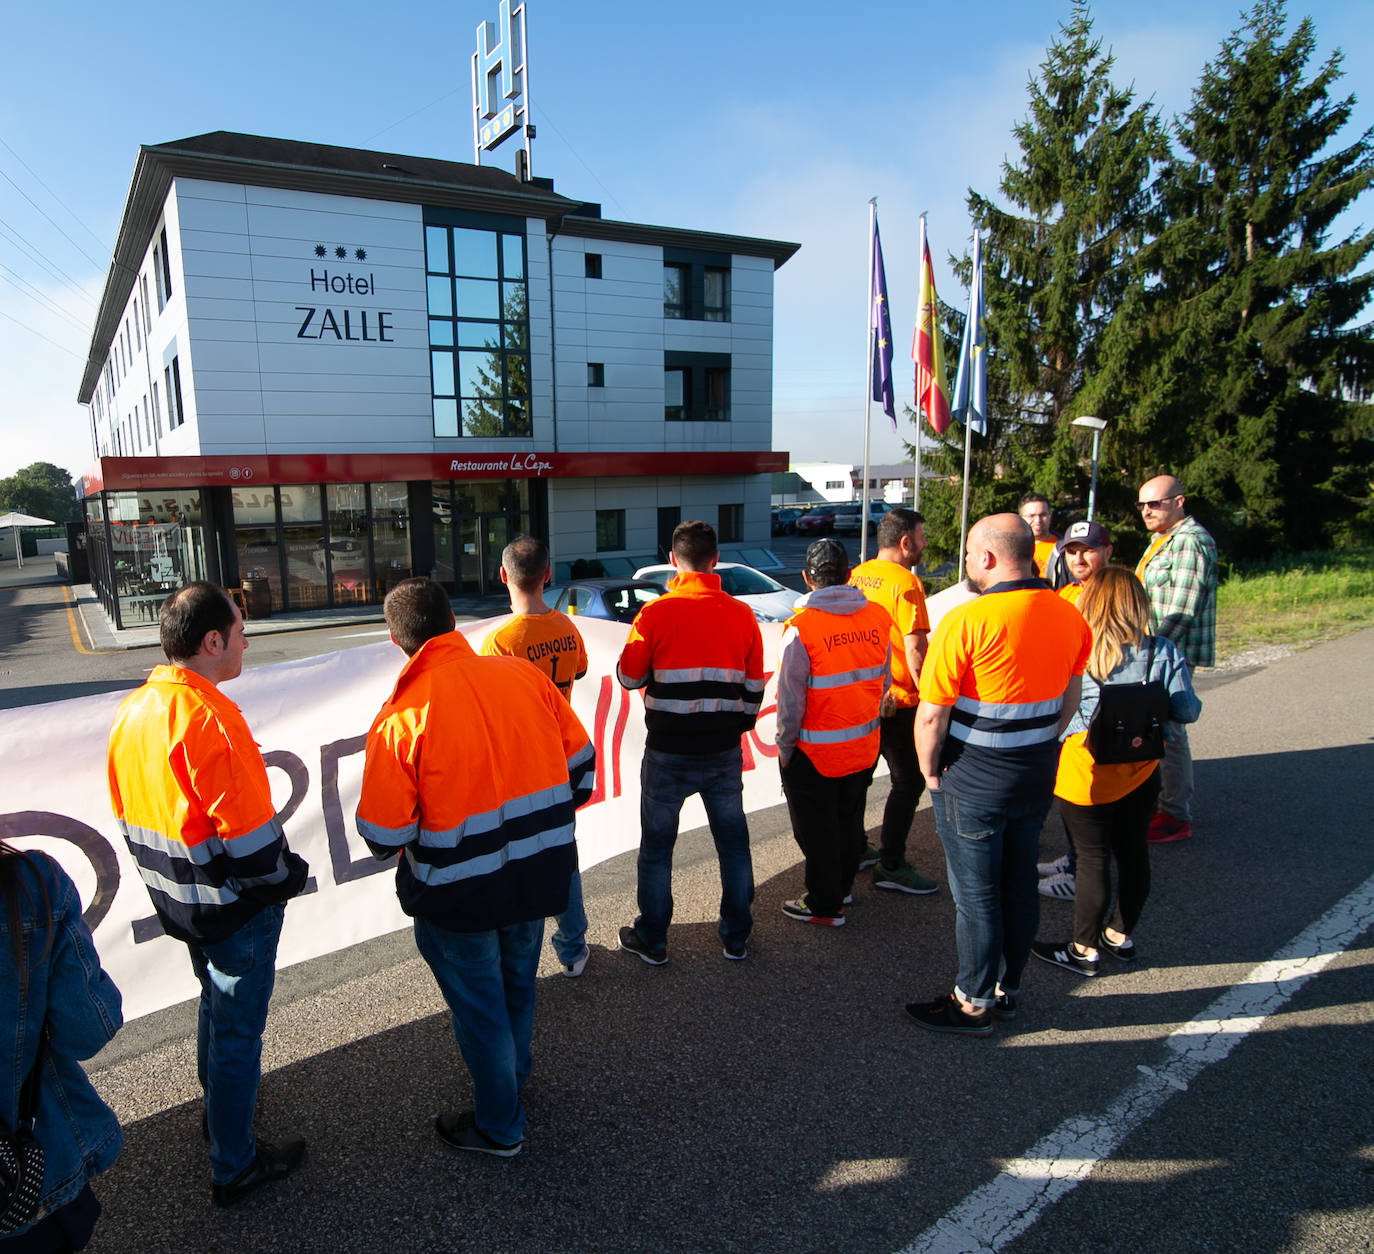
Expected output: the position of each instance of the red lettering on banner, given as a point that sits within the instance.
(603, 709)
(621, 719)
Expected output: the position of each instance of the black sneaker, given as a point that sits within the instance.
(1064, 956)
(1005, 1009)
(1122, 953)
(737, 953)
(633, 943)
(461, 1132)
(269, 1164)
(945, 1014)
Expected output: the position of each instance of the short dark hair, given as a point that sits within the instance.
(190, 614)
(693, 543)
(526, 560)
(896, 523)
(1031, 498)
(417, 610)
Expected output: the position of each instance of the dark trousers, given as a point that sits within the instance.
(1099, 834)
(828, 822)
(897, 744)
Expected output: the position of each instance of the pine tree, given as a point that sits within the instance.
(1055, 268)
(1235, 361)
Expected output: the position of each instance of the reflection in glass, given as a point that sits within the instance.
(716, 294)
(512, 256)
(441, 332)
(674, 291)
(474, 253)
(260, 558)
(475, 371)
(517, 418)
(477, 334)
(440, 295)
(477, 298)
(441, 368)
(436, 249)
(300, 502)
(390, 535)
(445, 418)
(307, 583)
(347, 555)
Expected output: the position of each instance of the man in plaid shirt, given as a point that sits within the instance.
(1179, 571)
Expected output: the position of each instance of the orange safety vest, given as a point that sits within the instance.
(849, 656)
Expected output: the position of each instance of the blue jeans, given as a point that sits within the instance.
(487, 979)
(666, 780)
(236, 977)
(570, 937)
(990, 858)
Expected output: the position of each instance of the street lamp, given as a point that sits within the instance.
(1096, 426)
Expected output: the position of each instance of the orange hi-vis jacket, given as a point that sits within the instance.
(900, 592)
(189, 790)
(474, 768)
(832, 672)
(698, 655)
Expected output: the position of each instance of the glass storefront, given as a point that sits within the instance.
(152, 546)
(390, 535)
(473, 522)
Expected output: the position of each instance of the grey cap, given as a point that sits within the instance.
(826, 555)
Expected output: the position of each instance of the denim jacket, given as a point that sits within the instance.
(1167, 664)
(79, 1133)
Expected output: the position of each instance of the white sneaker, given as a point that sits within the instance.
(1061, 863)
(573, 969)
(1058, 886)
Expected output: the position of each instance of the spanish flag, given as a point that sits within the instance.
(927, 348)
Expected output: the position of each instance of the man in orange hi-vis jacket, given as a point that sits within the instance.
(190, 792)
(474, 769)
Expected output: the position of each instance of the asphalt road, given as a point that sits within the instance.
(786, 1104)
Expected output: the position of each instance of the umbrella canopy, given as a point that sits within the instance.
(15, 520)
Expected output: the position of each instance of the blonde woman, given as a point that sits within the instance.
(1106, 808)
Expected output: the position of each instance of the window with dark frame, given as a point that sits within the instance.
(696, 387)
(166, 266)
(596, 374)
(592, 262)
(730, 524)
(157, 279)
(610, 530)
(696, 285)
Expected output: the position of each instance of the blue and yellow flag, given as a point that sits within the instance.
(880, 331)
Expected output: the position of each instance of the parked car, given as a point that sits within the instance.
(344, 554)
(770, 601)
(618, 600)
(785, 521)
(847, 518)
(817, 521)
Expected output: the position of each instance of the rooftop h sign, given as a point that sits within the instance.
(500, 82)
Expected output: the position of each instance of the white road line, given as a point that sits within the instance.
(1006, 1206)
(358, 635)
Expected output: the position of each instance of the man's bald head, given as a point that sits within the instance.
(1160, 501)
(1000, 547)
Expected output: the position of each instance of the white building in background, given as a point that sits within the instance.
(323, 369)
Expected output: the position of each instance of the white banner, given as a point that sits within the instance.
(311, 720)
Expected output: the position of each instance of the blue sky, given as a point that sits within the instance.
(772, 119)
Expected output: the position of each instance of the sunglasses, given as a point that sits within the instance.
(1156, 505)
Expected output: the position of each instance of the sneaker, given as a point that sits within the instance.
(1059, 886)
(633, 943)
(800, 910)
(848, 899)
(737, 953)
(269, 1164)
(1122, 953)
(945, 1014)
(1061, 863)
(1164, 829)
(461, 1132)
(1005, 1009)
(573, 969)
(903, 880)
(1064, 956)
(871, 857)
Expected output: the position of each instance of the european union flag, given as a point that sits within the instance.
(970, 404)
(880, 330)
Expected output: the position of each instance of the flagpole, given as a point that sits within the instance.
(968, 426)
(868, 390)
(920, 282)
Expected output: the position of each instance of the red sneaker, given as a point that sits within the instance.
(1164, 829)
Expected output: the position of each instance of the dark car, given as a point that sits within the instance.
(785, 521)
(819, 521)
(846, 521)
(616, 599)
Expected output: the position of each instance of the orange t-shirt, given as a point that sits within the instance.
(903, 596)
(549, 641)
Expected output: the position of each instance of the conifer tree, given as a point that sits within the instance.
(1235, 359)
(1056, 263)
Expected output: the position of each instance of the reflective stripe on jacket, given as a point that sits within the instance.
(474, 769)
(833, 668)
(698, 655)
(189, 790)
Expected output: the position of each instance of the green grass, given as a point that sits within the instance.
(1293, 599)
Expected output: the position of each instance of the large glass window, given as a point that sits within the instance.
(478, 331)
(390, 535)
(473, 521)
(696, 285)
(156, 544)
(348, 556)
(696, 387)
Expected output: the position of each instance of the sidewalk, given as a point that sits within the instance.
(100, 629)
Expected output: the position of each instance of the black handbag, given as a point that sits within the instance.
(1128, 724)
(21, 1156)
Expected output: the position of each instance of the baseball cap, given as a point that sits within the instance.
(826, 555)
(1093, 534)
